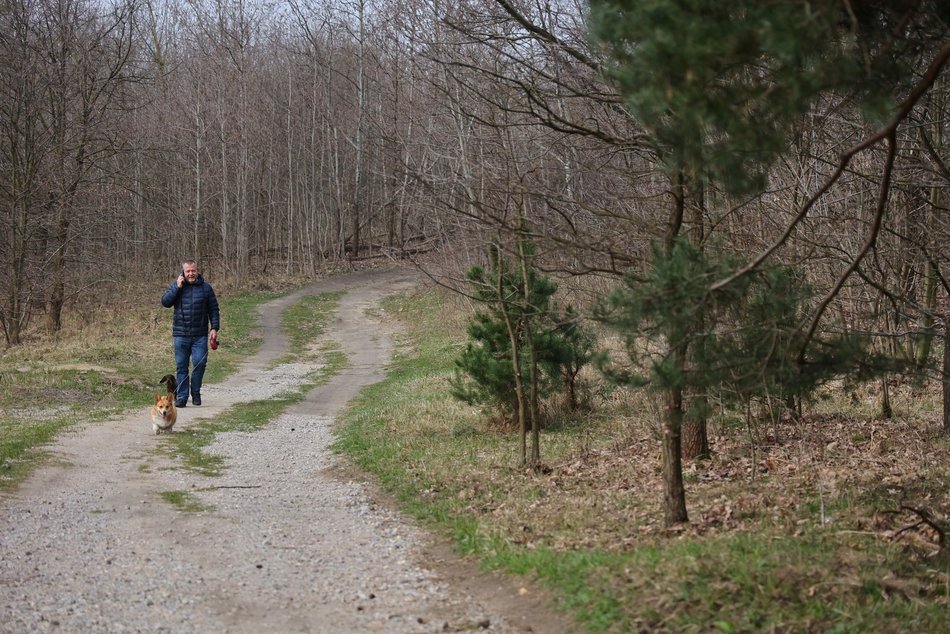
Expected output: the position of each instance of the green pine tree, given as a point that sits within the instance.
(721, 85)
(518, 339)
(748, 337)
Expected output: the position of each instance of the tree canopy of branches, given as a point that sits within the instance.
(722, 89)
(722, 86)
(265, 137)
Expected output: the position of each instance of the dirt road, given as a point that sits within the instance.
(284, 543)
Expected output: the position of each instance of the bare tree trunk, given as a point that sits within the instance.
(674, 493)
(57, 274)
(527, 313)
(514, 332)
(225, 222)
(198, 149)
(946, 375)
(887, 412)
(695, 435)
(20, 155)
(242, 203)
(932, 276)
(16, 313)
(359, 198)
(925, 341)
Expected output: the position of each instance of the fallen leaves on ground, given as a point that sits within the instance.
(836, 470)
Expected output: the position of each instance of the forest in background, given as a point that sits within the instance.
(761, 187)
(273, 137)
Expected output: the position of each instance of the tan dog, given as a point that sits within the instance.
(164, 412)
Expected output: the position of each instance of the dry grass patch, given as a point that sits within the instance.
(106, 359)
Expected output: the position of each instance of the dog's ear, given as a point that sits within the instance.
(158, 397)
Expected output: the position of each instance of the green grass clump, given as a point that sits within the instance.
(334, 362)
(19, 441)
(305, 321)
(185, 501)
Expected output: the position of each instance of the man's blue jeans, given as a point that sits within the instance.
(195, 350)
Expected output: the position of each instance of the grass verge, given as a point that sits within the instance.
(787, 537)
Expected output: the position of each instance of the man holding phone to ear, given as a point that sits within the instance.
(196, 308)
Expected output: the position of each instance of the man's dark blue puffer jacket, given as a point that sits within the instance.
(195, 307)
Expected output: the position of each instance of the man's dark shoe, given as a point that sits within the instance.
(181, 402)
(196, 400)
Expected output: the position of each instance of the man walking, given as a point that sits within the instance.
(196, 308)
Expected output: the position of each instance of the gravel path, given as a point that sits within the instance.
(286, 544)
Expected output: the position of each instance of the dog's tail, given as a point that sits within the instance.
(170, 382)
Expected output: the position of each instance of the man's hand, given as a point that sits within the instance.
(181, 280)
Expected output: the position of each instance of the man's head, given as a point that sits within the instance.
(189, 269)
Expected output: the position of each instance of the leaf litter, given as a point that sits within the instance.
(849, 477)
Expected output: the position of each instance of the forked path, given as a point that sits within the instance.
(284, 543)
